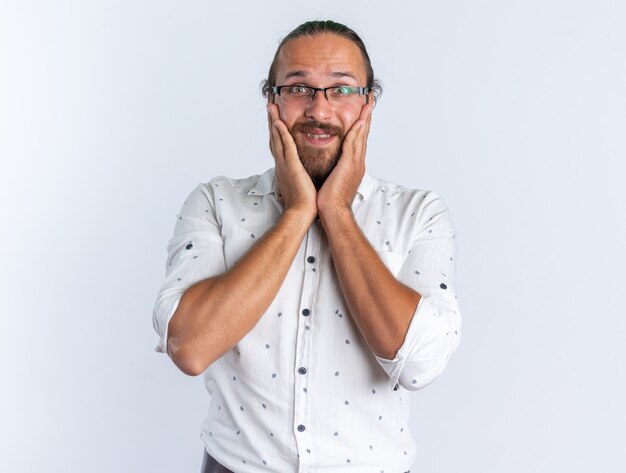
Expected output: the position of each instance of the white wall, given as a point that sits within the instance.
(112, 111)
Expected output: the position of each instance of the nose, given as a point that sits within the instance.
(319, 108)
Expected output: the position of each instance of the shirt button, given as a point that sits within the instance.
(305, 312)
(311, 259)
(302, 370)
(301, 428)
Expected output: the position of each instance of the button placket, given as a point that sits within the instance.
(306, 319)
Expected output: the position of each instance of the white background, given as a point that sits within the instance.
(112, 111)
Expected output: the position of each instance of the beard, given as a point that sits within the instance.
(318, 162)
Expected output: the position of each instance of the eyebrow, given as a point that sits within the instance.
(299, 73)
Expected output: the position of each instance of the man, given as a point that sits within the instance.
(313, 296)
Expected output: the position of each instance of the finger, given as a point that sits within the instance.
(356, 138)
(368, 117)
(354, 134)
(289, 146)
(270, 129)
(276, 143)
(272, 110)
(272, 116)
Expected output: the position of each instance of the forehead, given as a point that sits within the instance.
(319, 57)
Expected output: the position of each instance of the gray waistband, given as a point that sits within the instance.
(210, 465)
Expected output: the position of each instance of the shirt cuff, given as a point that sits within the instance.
(432, 337)
(162, 321)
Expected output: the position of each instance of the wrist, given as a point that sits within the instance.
(300, 214)
(331, 214)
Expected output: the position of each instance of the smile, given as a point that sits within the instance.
(317, 136)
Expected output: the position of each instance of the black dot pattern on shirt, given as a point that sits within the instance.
(306, 312)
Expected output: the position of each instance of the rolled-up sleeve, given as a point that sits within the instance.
(195, 252)
(435, 329)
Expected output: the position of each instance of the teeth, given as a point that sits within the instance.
(317, 137)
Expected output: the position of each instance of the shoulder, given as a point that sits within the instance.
(255, 184)
(221, 187)
(393, 192)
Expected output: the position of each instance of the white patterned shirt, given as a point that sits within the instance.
(302, 392)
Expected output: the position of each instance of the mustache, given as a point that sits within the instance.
(308, 127)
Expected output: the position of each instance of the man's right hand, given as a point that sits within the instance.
(296, 190)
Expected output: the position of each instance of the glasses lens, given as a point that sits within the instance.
(295, 93)
(345, 95)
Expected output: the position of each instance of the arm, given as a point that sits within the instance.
(411, 323)
(381, 306)
(217, 312)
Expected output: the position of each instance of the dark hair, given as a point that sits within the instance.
(317, 27)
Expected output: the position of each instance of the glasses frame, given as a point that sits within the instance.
(362, 90)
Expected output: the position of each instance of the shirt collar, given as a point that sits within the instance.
(267, 185)
(368, 183)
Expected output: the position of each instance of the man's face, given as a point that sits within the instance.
(318, 127)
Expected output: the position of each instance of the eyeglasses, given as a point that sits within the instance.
(338, 95)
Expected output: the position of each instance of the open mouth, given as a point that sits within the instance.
(318, 137)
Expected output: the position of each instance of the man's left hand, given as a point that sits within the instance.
(341, 185)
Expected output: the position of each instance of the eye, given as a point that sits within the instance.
(344, 91)
(298, 90)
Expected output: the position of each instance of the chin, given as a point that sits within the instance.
(319, 166)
